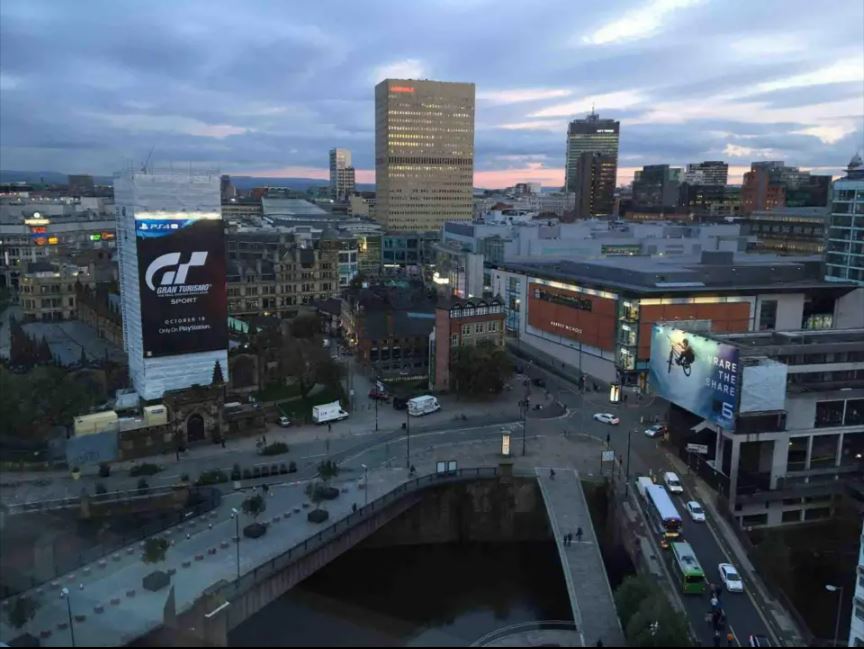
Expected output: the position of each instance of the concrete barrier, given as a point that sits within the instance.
(115, 601)
(199, 557)
(186, 564)
(130, 593)
(54, 584)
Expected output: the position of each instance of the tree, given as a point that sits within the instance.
(480, 369)
(155, 550)
(254, 506)
(22, 611)
(83, 360)
(218, 379)
(629, 596)
(327, 470)
(308, 362)
(305, 326)
(43, 352)
(357, 281)
(647, 617)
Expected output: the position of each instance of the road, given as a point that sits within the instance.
(387, 448)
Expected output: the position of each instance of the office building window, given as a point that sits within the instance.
(768, 315)
(792, 516)
(854, 412)
(829, 413)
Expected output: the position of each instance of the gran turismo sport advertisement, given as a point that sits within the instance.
(698, 374)
(181, 273)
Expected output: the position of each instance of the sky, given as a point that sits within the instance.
(267, 88)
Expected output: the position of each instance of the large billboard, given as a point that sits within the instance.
(699, 374)
(586, 318)
(181, 274)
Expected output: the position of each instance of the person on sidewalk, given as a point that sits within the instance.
(730, 639)
(716, 638)
(551, 474)
(579, 535)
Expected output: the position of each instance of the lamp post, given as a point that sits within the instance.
(627, 470)
(236, 516)
(64, 594)
(525, 405)
(839, 591)
(407, 439)
(366, 483)
(376, 415)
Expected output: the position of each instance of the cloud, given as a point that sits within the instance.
(838, 72)
(171, 124)
(636, 24)
(535, 125)
(404, 69)
(517, 95)
(609, 101)
(827, 134)
(738, 151)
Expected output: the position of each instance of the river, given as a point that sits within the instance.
(443, 595)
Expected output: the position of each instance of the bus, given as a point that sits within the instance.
(662, 512)
(688, 569)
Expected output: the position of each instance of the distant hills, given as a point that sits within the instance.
(240, 182)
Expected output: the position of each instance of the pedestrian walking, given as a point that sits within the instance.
(223, 442)
(329, 427)
(714, 602)
(579, 535)
(354, 507)
(551, 474)
(716, 638)
(264, 437)
(608, 439)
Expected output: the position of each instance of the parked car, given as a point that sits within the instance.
(696, 512)
(378, 395)
(539, 382)
(655, 431)
(673, 483)
(759, 640)
(284, 421)
(606, 418)
(400, 403)
(730, 578)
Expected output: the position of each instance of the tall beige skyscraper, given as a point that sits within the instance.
(424, 153)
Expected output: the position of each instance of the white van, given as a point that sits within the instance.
(325, 412)
(642, 484)
(673, 483)
(423, 405)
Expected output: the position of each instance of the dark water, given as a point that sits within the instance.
(418, 595)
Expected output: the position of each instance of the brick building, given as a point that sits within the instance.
(460, 323)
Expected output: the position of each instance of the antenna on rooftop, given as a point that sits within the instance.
(147, 161)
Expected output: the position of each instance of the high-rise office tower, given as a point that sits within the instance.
(341, 174)
(172, 278)
(424, 153)
(592, 164)
(844, 255)
(710, 172)
(656, 186)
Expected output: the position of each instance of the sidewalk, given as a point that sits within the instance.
(782, 624)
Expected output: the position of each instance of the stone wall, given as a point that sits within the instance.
(483, 511)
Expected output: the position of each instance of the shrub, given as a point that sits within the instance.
(104, 470)
(235, 472)
(292, 467)
(143, 485)
(184, 477)
(155, 549)
(247, 474)
(101, 489)
(215, 476)
(328, 469)
(144, 469)
(283, 468)
(274, 469)
(276, 448)
(254, 505)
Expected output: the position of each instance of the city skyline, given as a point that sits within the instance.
(689, 81)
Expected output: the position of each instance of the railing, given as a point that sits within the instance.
(211, 498)
(75, 501)
(540, 625)
(327, 535)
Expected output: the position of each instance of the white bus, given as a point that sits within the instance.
(662, 512)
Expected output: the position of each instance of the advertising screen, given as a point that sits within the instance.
(589, 319)
(696, 373)
(181, 271)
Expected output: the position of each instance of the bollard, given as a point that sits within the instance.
(199, 557)
(45, 634)
(71, 577)
(98, 609)
(211, 550)
(62, 626)
(103, 563)
(223, 544)
(80, 618)
(86, 571)
(54, 584)
(171, 572)
(130, 550)
(115, 601)
(186, 564)
(130, 593)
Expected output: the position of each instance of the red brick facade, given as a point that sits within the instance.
(464, 322)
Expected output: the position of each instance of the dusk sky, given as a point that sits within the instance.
(266, 88)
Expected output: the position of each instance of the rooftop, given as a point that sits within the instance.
(803, 341)
(724, 271)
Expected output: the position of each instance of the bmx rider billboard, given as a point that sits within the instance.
(699, 374)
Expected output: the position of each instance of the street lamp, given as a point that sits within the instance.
(236, 516)
(376, 415)
(627, 470)
(839, 590)
(526, 403)
(64, 594)
(407, 438)
(366, 482)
